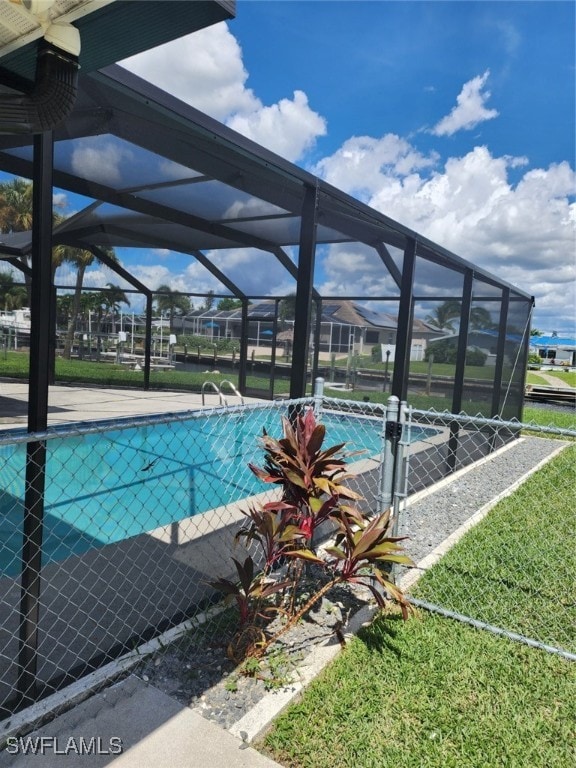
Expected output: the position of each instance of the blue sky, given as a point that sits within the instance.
(455, 118)
(377, 67)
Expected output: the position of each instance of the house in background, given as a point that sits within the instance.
(346, 326)
(561, 349)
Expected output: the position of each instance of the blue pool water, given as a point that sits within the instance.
(103, 488)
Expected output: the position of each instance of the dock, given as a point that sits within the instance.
(544, 393)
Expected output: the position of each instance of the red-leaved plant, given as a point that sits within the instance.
(312, 480)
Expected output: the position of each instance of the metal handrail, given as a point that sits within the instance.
(233, 388)
(216, 389)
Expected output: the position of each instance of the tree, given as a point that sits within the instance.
(11, 296)
(16, 214)
(208, 302)
(82, 260)
(446, 351)
(64, 305)
(111, 300)
(227, 305)
(16, 205)
(443, 315)
(480, 319)
(171, 301)
(287, 310)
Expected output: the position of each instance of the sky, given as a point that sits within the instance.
(455, 118)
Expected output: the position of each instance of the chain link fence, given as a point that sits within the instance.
(111, 532)
(488, 509)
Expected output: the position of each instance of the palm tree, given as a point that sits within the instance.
(82, 260)
(443, 315)
(111, 300)
(64, 307)
(11, 296)
(168, 300)
(480, 319)
(16, 214)
(107, 301)
(16, 207)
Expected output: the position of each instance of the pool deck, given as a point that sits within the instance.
(154, 730)
(73, 404)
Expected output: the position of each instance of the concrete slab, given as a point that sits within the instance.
(73, 404)
(132, 725)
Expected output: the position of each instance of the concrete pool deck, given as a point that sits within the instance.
(154, 730)
(72, 404)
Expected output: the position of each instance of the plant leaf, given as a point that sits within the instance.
(336, 552)
(305, 554)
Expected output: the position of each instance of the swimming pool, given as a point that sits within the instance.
(106, 487)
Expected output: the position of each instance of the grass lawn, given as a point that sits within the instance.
(517, 568)
(565, 419)
(435, 693)
(432, 693)
(15, 365)
(535, 377)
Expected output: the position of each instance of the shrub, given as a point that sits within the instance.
(446, 351)
(206, 344)
(475, 357)
(314, 490)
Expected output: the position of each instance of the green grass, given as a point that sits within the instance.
(437, 693)
(535, 377)
(517, 568)
(15, 365)
(544, 418)
(432, 693)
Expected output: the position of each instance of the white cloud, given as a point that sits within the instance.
(523, 230)
(469, 110)
(155, 275)
(99, 159)
(99, 276)
(253, 271)
(523, 233)
(206, 70)
(355, 268)
(288, 128)
(363, 162)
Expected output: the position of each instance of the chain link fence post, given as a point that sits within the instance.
(318, 396)
(390, 435)
(399, 491)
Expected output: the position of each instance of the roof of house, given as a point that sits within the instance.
(553, 341)
(344, 312)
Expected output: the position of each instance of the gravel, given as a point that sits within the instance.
(430, 520)
(196, 670)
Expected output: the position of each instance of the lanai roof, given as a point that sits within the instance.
(184, 182)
